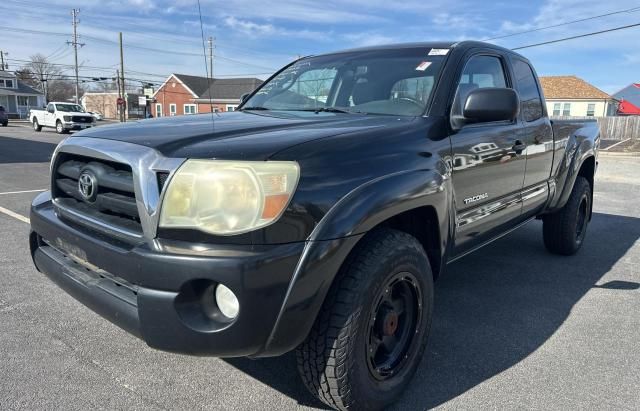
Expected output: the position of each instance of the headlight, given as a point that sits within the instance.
(66, 118)
(228, 197)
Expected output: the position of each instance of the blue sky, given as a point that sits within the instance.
(255, 37)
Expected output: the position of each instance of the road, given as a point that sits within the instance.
(514, 327)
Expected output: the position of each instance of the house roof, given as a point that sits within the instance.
(24, 89)
(21, 90)
(628, 108)
(222, 89)
(570, 87)
(631, 93)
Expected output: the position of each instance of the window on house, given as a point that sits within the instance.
(172, 109)
(530, 100)
(566, 109)
(158, 110)
(190, 109)
(591, 109)
(9, 83)
(556, 109)
(231, 107)
(23, 100)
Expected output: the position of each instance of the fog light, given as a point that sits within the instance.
(227, 301)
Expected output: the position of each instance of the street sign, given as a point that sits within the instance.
(142, 100)
(120, 101)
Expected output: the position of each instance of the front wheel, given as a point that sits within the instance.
(368, 339)
(60, 128)
(564, 231)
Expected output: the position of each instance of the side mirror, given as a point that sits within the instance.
(244, 97)
(491, 104)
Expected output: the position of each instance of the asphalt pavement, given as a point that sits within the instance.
(514, 326)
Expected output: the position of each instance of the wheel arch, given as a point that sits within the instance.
(416, 202)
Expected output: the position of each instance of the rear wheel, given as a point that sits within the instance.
(372, 330)
(36, 126)
(564, 231)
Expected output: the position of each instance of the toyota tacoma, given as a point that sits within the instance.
(316, 217)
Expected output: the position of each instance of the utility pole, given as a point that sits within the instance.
(2, 66)
(119, 93)
(123, 108)
(211, 47)
(75, 44)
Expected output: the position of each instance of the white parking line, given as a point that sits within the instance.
(24, 191)
(15, 215)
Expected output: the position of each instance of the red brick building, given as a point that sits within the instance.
(182, 94)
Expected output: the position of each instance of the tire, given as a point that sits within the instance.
(335, 361)
(564, 231)
(60, 128)
(36, 126)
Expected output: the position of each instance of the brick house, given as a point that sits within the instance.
(572, 96)
(182, 94)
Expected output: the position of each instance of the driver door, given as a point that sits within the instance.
(50, 116)
(488, 170)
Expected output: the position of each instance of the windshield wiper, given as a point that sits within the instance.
(326, 110)
(255, 108)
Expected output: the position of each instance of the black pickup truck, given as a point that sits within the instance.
(316, 217)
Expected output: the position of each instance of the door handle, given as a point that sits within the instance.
(519, 147)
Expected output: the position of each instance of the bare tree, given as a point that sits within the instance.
(48, 78)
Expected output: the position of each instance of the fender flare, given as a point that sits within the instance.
(337, 234)
(578, 150)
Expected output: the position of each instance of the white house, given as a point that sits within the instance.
(572, 96)
(16, 97)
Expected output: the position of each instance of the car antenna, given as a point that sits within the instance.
(206, 68)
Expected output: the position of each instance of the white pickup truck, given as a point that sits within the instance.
(62, 116)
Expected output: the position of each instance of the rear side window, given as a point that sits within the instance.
(530, 101)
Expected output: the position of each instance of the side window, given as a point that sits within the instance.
(479, 72)
(530, 101)
(50, 108)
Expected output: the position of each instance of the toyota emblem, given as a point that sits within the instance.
(88, 186)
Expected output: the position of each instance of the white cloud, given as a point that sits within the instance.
(253, 29)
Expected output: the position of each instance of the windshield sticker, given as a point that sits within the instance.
(438, 52)
(423, 66)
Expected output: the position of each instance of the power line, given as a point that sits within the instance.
(564, 24)
(133, 46)
(577, 37)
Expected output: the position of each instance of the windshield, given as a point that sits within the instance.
(393, 82)
(69, 108)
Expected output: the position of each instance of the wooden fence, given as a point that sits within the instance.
(615, 128)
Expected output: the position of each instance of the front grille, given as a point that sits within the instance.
(112, 200)
(81, 119)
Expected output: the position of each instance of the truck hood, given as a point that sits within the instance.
(238, 135)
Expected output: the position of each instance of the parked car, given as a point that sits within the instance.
(61, 116)
(317, 216)
(4, 118)
(96, 115)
